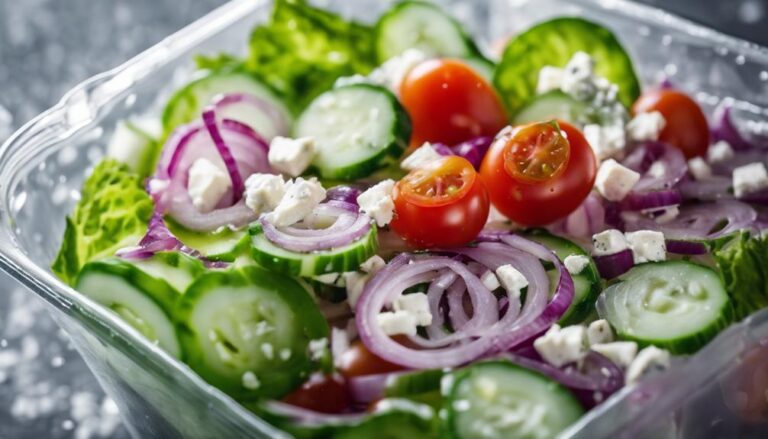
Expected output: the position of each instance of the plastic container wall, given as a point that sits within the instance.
(43, 165)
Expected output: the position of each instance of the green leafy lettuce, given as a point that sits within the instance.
(301, 51)
(113, 212)
(743, 264)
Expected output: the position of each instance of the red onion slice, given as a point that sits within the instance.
(348, 226)
(258, 113)
(685, 247)
(723, 128)
(238, 186)
(714, 188)
(611, 266)
(347, 194)
(635, 201)
(701, 221)
(473, 150)
(669, 162)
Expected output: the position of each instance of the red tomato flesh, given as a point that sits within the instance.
(686, 126)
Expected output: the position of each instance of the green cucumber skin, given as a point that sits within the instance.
(338, 260)
(382, 44)
(204, 242)
(685, 344)
(175, 260)
(395, 146)
(517, 74)
(277, 379)
(583, 304)
(451, 419)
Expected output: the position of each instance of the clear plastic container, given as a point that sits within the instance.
(720, 392)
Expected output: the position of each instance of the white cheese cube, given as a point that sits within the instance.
(511, 279)
(417, 304)
(392, 73)
(578, 77)
(646, 127)
(575, 264)
(373, 264)
(355, 283)
(614, 181)
(396, 323)
(490, 280)
(606, 141)
(599, 332)
(300, 199)
(207, 184)
(377, 202)
(647, 246)
(291, 156)
(699, 169)
(646, 359)
(263, 192)
(422, 156)
(620, 352)
(749, 179)
(559, 347)
(721, 151)
(609, 242)
(550, 78)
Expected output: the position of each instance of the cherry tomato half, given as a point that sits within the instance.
(686, 126)
(449, 103)
(359, 361)
(538, 173)
(443, 204)
(321, 393)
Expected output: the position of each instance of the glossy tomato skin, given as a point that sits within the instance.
(449, 103)
(359, 361)
(540, 203)
(448, 221)
(686, 125)
(322, 393)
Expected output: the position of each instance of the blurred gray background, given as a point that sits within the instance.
(48, 46)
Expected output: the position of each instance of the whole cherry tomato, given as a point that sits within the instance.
(321, 393)
(449, 103)
(443, 204)
(538, 173)
(359, 361)
(686, 126)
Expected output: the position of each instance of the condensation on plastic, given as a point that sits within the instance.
(720, 392)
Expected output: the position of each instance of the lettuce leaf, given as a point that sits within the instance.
(743, 264)
(302, 51)
(113, 212)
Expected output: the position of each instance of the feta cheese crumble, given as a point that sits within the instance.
(620, 352)
(646, 359)
(699, 169)
(416, 304)
(397, 323)
(300, 199)
(263, 192)
(291, 156)
(422, 156)
(749, 179)
(559, 347)
(599, 332)
(550, 78)
(207, 184)
(609, 242)
(720, 151)
(377, 203)
(355, 284)
(606, 141)
(373, 264)
(578, 76)
(646, 127)
(575, 264)
(392, 73)
(511, 279)
(490, 280)
(614, 181)
(647, 246)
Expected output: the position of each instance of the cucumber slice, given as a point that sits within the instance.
(554, 43)
(587, 284)
(423, 26)
(482, 66)
(187, 103)
(247, 331)
(498, 399)
(176, 268)
(422, 386)
(358, 129)
(338, 260)
(133, 146)
(220, 245)
(675, 305)
(143, 301)
(553, 105)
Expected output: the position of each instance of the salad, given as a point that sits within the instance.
(385, 231)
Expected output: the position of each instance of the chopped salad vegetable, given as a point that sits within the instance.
(362, 231)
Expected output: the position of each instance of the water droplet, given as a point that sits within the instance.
(666, 40)
(670, 69)
(130, 100)
(18, 201)
(644, 30)
(721, 50)
(764, 75)
(740, 60)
